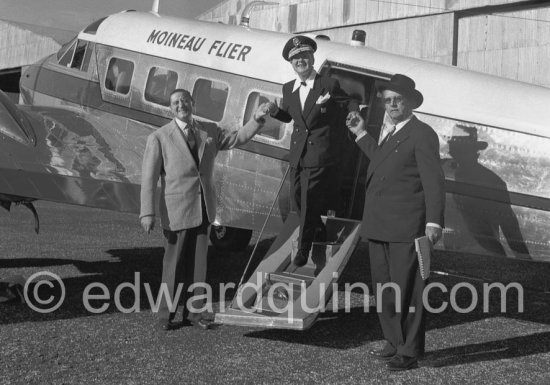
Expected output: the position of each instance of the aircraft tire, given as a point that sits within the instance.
(230, 238)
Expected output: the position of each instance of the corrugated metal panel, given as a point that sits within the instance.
(417, 37)
(513, 45)
(316, 14)
(20, 46)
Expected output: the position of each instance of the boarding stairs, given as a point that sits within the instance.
(280, 295)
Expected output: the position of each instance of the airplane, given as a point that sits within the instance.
(79, 132)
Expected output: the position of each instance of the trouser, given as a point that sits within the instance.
(184, 263)
(311, 189)
(403, 326)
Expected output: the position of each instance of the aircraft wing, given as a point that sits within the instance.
(60, 154)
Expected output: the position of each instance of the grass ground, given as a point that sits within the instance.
(74, 346)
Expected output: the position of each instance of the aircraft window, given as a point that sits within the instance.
(273, 128)
(160, 84)
(64, 48)
(78, 57)
(210, 98)
(119, 75)
(68, 55)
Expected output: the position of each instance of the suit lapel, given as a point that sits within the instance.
(312, 96)
(179, 141)
(203, 135)
(383, 152)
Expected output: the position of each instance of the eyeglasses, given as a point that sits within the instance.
(394, 100)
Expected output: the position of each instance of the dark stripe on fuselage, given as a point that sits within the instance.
(88, 93)
(502, 196)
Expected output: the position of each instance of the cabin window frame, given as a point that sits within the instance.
(64, 48)
(68, 49)
(72, 49)
(248, 114)
(113, 90)
(198, 113)
(157, 102)
(82, 55)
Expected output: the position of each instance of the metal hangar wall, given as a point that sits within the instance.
(504, 38)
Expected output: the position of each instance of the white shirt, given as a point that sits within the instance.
(385, 125)
(304, 90)
(183, 126)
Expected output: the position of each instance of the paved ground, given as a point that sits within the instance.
(74, 346)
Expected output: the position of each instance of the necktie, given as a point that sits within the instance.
(192, 142)
(303, 84)
(389, 129)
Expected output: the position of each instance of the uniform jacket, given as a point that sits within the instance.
(320, 128)
(405, 184)
(168, 157)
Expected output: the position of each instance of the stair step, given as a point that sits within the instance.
(325, 248)
(289, 278)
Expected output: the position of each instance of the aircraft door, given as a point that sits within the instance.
(362, 87)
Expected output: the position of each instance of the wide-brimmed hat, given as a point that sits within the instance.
(405, 86)
(297, 44)
(466, 136)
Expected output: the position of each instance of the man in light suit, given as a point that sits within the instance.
(182, 155)
(405, 199)
(318, 107)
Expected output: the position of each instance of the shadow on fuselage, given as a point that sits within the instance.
(483, 217)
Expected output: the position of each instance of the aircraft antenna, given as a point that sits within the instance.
(155, 7)
(245, 14)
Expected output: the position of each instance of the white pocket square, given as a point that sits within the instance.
(323, 98)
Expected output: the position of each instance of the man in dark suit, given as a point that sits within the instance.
(405, 199)
(317, 106)
(181, 154)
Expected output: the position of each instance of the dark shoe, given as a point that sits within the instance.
(399, 363)
(301, 257)
(382, 354)
(164, 325)
(201, 323)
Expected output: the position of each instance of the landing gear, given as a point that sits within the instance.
(6, 200)
(230, 238)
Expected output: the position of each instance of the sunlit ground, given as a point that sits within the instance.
(74, 345)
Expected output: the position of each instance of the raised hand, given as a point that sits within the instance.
(265, 109)
(355, 122)
(273, 108)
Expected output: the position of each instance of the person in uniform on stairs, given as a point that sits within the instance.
(318, 107)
